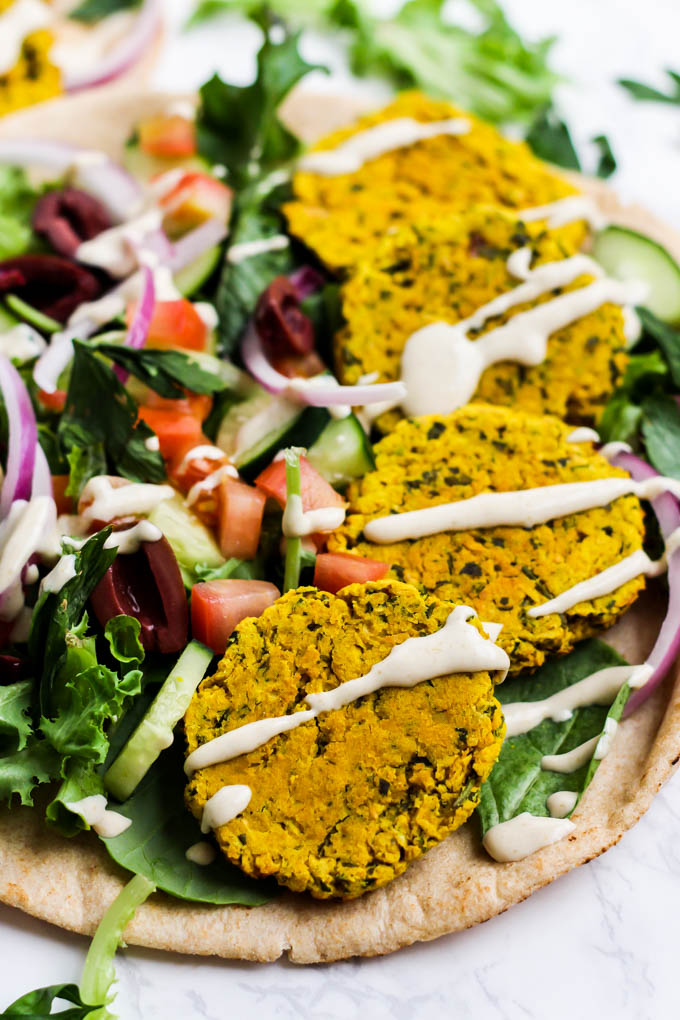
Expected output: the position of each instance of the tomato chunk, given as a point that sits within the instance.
(177, 433)
(197, 404)
(168, 136)
(195, 198)
(240, 512)
(63, 502)
(315, 490)
(218, 606)
(53, 401)
(334, 571)
(175, 324)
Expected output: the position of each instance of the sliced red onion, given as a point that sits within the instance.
(42, 476)
(57, 355)
(319, 393)
(306, 280)
(23, 437)
(667, 644)
(140, 37)
(139, 327)
(196, 243)
(96, 173)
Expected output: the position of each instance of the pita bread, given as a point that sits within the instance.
(455, 885)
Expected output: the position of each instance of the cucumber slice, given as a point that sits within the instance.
(625, 254)
(192, 277)
(31, 315)
(342, 452)
(155, 731)
(7, 320)
(143, 165)
(192, 543)
(255, 429)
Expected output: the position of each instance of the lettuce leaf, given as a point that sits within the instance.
(17, 201)
(517, 782)
(38, 1004)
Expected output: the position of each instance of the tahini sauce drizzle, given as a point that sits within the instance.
(249, 249)
(94, 811)
(570, 761)
(297, 523)
(562, 803)
(367, 145)
(567, 210)
(523, 835)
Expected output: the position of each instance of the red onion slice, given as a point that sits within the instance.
(116, 189)
(319, 394)
(42, 476)
(196, 243)
(307, 280)
(122, 57)
(23, 437)
(667, 645)
(139, 327)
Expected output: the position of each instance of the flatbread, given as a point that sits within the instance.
(455, 885)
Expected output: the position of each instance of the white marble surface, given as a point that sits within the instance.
(601, 942)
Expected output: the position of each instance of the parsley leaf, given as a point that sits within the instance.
(100, 413)
(607, 162)
(91, 11)
(646, 93)
(660, 426)
(168, 373)
(550, 139)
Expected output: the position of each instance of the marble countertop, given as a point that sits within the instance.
(602, 942)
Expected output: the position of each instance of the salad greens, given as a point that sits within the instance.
(646, 93)
(517, 782)
(91, 11)
(550, 138)
(38, 1004)
(17, 201)
(166, 372)
(490, 70)
(293, 561)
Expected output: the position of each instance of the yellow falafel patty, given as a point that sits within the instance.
(443, 271)
(33, 78)
(341, 217)
(345, 802)
(501, 571)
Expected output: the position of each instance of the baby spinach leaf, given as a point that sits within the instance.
(38, 1005)
(162, 831)
(168, 373)
(661, 433)
(517, 782)
(646, 93)
(91, 11)
(666, 336)
(100, 412)
(550, 139)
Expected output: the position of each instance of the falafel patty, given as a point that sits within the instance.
(502, 571)
(341, 217)
(345, 802)
(443, 271)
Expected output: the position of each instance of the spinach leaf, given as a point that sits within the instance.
(100, 413)
(162, 831)
(91, 11)
(646, 93)
(550, 139)
(38, 1004)
(661, 433)
(667, 337)
(607, 162)
(517, 782)
(84, 462)
(168, 373)
(17, 201)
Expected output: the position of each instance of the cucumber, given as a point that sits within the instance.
(192, 277)
(625, 254)
(155, 731)
(31, 315)
(7, 320)
(342, 452)
(255, 429)
(192, 543)
(143, 165)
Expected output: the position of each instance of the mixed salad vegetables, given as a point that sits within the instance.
(167, 410)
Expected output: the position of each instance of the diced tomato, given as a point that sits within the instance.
(175, 324)
(168, 136)
(53, 401)
(315, 490)
(64, 503)
(240, 511)
(186, 473)
(295, 365)
(197, 404)
(177, 433)
(218, 606)
(334, 571)
(195, 198)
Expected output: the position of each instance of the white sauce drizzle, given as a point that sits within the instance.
(129, 540)
(134, 499)
(181, 108)
(611, 450)
(367, 145)
(583, 435)
(116, 249)
(562, 803)
(523, 508)
(61, 574)
(457, 647)
(153, 444)
(297, 522)
(210, 482)
(204, 452)
(567, 210)
(17, 22)
(249, 249)
(31, 574)
(523, 835)
(224, 805)
(604, 744)
(570, 761)
(599, 688)
(632, 325)
(441, 366)
(208, 314)
(94, 811)
(21, 342)
(28, 529)
(201, 853)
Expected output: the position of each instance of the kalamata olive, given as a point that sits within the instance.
(146, 584)
(50, 283)
(12, 669)
(69, 217)
(280, 321)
